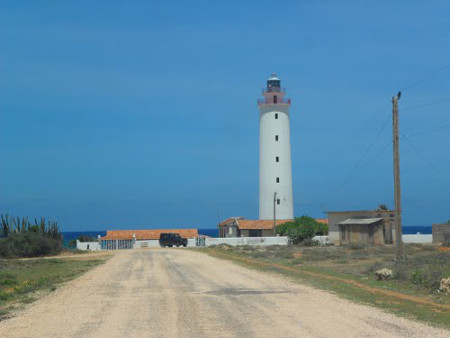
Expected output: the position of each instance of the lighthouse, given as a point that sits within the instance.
(275, 169)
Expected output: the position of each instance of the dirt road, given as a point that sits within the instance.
(181, 293)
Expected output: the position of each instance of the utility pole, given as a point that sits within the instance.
(397, 191)
(274, 210)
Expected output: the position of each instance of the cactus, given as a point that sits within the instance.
(15, 225)
(5, 226)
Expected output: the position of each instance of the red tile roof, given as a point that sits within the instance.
(249, 224)
(148, 234)
(229, 220)
(322, 220)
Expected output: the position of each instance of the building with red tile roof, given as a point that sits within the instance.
(240, 227)
(141, 235)
(129, 239)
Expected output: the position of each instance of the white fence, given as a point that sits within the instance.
(423, 239)
(154, 243)
(247, 241)
(234, 241)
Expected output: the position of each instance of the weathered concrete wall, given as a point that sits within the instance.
(88, 246)
(268, 233)
(248, 241)
(440, 233)
(335, 217)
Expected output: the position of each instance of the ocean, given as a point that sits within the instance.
(70, 235)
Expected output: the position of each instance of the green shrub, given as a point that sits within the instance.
(301, 229)
(84, 238)
(21, 238)
(29, 244)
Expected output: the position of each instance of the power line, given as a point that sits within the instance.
(353, 171)
(434, 130)
(425, 158)
(428, 161)
(382, 150)
(426, 104)
(423, 79)
(363, 157)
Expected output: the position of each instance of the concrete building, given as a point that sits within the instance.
(89, 246)
(275, 172)
(441, 233)
(361, 231)
(338, 218)
(240, 227)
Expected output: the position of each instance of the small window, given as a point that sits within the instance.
(278, 201)
(276, 116)
(277, 159)
(278, 180)
(276, 137)
(275, 99)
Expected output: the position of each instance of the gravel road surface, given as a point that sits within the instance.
(182, 293)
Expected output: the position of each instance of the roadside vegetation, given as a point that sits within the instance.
(21, 238)
(413, 289)
(24, 280)
(23, 277)
(302, 229)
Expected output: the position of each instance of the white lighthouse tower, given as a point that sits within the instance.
(275, 170)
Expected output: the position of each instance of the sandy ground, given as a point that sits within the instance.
(181, 293)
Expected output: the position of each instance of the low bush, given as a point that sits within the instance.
(425, 270)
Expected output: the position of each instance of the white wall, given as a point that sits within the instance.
(248, 241)
(85, 245)
(269, 169)
(154, 243)
(423, 239)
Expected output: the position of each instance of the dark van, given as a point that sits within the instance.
(171, 240)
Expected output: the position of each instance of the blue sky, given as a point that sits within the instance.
(130, 114)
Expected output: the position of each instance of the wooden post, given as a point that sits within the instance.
(397, 191)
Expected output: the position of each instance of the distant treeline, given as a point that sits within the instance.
(19, 237)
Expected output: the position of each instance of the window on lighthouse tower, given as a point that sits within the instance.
(275, 99)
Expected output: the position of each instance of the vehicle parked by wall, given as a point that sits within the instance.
(168, 239)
